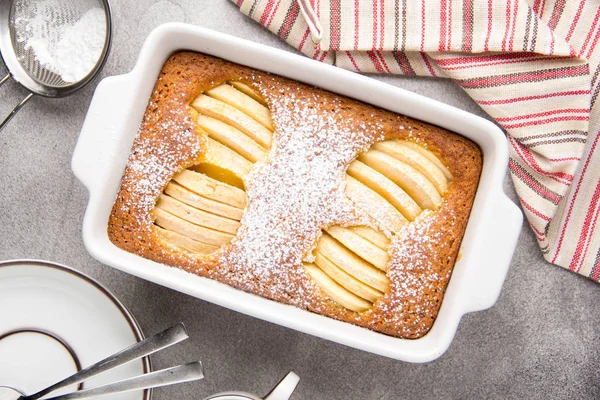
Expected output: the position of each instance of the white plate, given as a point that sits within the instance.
(55, 320)
(112, 123)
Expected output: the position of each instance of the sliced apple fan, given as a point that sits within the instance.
(201, 208)
(393, 183)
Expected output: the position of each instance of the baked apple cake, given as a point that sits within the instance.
(296, 194)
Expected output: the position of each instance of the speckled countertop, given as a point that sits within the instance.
(541, 340)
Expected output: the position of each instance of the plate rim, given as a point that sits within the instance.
(133, 324)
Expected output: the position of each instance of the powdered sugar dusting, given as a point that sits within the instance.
(306, 172)
(154, 162)
(413, 275)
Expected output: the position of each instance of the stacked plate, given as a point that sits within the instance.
(56, 320)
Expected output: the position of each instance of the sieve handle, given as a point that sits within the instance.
(6, 78)
(17, 107)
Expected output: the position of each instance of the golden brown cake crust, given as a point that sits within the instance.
(422, 256)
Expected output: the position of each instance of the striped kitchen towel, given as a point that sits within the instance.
(530, 64)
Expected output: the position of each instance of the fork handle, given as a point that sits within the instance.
(166, 338)
(182, 373)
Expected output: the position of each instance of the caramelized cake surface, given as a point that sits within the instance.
(296, 194)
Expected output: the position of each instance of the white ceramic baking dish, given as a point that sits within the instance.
(112, 123)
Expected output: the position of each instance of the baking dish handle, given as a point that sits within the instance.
(502, 226)
(101, 134)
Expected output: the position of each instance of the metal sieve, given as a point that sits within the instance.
(27, 22)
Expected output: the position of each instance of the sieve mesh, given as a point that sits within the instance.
(36, 26)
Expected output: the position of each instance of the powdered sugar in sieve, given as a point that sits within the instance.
(64, 37)
(53, 47)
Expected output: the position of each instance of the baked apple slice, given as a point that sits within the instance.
(197, 216)
(211, 188)
(386, 188)
(183, 242)
(352, 264)
(232, 138)
(193, 199)
(406, 154)
(346, 280)
(406, 177)
(211, 107)
(335, 291)
(372, 235)
(431, 157)
(230, 95)
(248, 91)
(360, 246)
(199, 233)
(374, 205)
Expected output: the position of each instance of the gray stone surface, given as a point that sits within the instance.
(541, 340)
